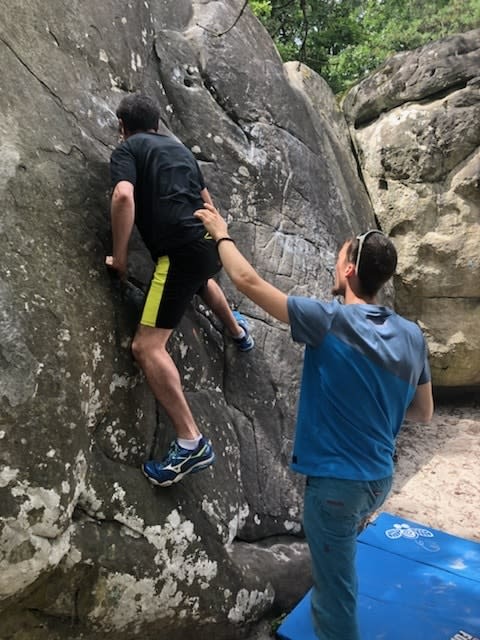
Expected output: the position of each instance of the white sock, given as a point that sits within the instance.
(189, 444)
(241, 335)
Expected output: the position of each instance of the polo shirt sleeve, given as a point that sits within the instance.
(425, 376)
(310, 319)
(122, 166)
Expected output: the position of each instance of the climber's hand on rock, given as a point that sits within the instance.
(118, 266)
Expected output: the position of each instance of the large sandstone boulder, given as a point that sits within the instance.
(87, 547)
(416, 127)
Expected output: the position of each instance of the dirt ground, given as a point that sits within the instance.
(437, 478)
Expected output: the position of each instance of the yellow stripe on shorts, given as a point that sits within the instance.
(155, 293)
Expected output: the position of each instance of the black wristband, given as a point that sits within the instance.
(224, 238)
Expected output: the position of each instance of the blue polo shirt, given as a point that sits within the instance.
(361, 368)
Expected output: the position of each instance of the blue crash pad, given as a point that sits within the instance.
(415, 583)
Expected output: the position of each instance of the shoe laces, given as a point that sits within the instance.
(172, 453)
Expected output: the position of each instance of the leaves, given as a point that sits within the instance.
(344, 40)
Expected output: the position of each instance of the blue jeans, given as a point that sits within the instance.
(333, 514)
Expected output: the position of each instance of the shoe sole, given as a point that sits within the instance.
(249, 348)
(196, 467)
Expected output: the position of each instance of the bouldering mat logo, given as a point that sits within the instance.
(406, 531)
(463, 635)
(418, 534)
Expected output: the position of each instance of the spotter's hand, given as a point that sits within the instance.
(212, 221)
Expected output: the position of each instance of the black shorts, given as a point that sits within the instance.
(177, 278)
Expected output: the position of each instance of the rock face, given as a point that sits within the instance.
(88, 549)
(416, 127)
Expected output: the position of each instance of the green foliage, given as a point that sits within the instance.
(261, 8)
(344, 40)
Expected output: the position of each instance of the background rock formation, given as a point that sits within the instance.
(416, 127)
(87, 547)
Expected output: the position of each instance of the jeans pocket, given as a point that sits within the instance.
(379, 490)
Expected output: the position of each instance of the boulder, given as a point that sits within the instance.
(415, 124)
(88, 549)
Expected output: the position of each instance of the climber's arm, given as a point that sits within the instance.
(122, 211)
(205, 195)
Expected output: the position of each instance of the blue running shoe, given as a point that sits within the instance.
(247, 342)
(178, 463)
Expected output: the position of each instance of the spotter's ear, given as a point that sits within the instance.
(350, 270)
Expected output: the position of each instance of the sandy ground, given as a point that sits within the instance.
(437, 480)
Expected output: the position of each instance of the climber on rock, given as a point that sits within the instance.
(157, 185)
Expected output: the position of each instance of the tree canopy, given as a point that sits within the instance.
(344, 40)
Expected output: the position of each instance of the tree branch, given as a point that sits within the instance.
(222, 33)
(302, 52)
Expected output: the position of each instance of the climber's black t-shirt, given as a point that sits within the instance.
(167, 184)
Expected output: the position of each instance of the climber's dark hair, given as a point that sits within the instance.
(378, 260)
(138, 112)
